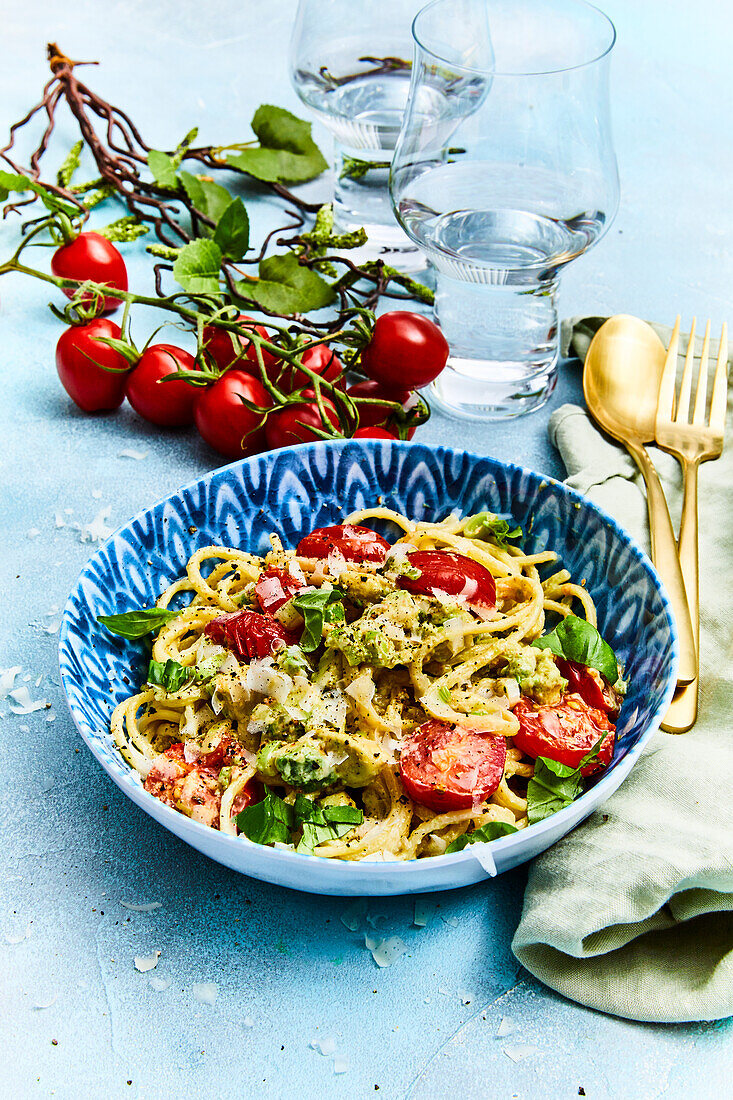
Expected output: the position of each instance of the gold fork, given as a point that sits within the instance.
(692, 442)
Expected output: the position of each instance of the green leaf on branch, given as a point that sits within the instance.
(232, 231)
(165, 165)
(197, 267)
(287, 153)
(208, 197)
(70, 164)
(124, 229)
(285, 287)
(12, 181)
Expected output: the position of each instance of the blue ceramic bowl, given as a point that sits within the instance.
(294, 490)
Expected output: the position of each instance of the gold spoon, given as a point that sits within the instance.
(621, 377)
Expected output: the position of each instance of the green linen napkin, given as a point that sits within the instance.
(632, 913)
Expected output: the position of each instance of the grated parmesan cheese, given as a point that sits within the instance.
(385, 951)
(143, 963)
(205, 992)
(23, 702)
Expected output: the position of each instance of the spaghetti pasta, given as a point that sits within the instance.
(306, 676)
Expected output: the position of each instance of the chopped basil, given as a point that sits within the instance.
(555, 786)
(321, 823)
(323, 605)
(169, 674)
(136, 624)
(576, 640)
(490, 831)
(266, 822)
(485, 525)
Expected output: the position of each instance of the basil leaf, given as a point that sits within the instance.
(490, 831)
(136, 624)
(314, 607)
(232, 231)
(486, 525)
(321, 823)
(285, 287)
(576, 640)
(554, 785)
(169, 674)
(287, 152)
(197, 267)
(266, 822)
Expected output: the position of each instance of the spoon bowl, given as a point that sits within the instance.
(621, 377)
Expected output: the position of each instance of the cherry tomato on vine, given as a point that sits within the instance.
(447, 767)
(353, 542)
(250, 634)
(406, 350)
(78, 352)
(378, 406)
(167, 404)
(320, 359)
(564, 731)
(292, 424)
(223, 419)
(454, 574)
(227, 348)
(373, 433)
(91, 256)
(275, 587)
(589, 685)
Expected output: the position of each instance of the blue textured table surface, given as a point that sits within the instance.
(456, 1015)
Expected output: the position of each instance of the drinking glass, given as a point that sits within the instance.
(504, 172)
(350, 62)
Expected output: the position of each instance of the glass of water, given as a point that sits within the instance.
(504, 172)
(351, 62)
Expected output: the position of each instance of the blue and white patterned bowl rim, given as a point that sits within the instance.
(128, 780)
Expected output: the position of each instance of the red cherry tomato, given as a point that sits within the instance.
(291, 424)
(223, 419)
(168, 404)
(374, 411)
(91, 256)
(406, 351)
(320, 359)
(353, 542)
(227, 348)
(78, 352)
(454, 574)
(250, 634)
(448, 767)
(589, 685)
(373, 433)
(275, 587)
(250, 793)
(564, 731)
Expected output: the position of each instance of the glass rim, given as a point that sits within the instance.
(521, 72)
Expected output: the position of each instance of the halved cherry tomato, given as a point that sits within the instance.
(78, 352)
(168, 404)
(227, 348)
(448, 767)
(590, 685)
(355, 543)
(223, 419)
(406, 350)
(292, 424)
(564, 731)
(320, 359)
(275, 587)
(453, 574)
(250, 634)
(91, 256)
(250, 793)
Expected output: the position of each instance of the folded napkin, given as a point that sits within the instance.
(632, 913)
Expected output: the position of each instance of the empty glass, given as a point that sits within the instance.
(504, 172)
(351, 62)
